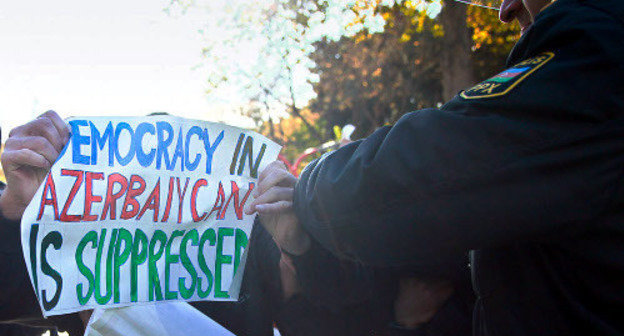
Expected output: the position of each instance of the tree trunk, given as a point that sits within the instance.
(456, 62)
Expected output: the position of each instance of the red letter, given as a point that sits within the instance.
(111, 198)
(199, 183)
(152, 203)
(169, 196)
(181, 197)
(131, 197)
(49, 185)
(89, 197)
(79, 175)
(238, 206)
(218, 204)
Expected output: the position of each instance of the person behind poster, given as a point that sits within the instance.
(270, 290)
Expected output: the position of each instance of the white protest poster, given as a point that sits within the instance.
(140, 210)
(158, 319)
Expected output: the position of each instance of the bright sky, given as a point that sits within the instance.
(101, 58)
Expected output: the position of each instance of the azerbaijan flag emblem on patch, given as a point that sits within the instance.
(508, 75)
(505, 81)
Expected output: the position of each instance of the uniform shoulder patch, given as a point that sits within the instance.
(505, 81)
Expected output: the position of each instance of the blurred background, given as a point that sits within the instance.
(295, 70)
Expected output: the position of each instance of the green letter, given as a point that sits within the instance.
(99, 298)
(121, 258)
(91, 236)
(154, 281)
(137, 259)
(171, 259)
(55, 239)
(240, 243)
(186, 262)
(34, 230)
(209, 235)
(221, 259)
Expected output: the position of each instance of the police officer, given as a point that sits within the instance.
(524, 170)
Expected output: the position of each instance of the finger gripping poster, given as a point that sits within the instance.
(140, 210)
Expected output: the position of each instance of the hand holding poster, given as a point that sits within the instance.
(140, 210)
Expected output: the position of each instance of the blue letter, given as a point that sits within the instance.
(144, 159)
(131, 149)
(191, 166)
(98, 142)
(163, 142)
(78, 140)
(210, 149)
(179, 153)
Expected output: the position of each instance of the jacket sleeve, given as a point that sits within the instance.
(548, 156)
(18, 303)
(17, 297)
(333, 283)
(261, 292)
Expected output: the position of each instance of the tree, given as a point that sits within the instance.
(492, 41)
(258, 53)
(456, 61)
(416, 62)
(373, 79)
(330, 62)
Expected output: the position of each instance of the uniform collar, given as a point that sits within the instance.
(614, 8)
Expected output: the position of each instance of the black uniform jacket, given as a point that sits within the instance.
(524, 169)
